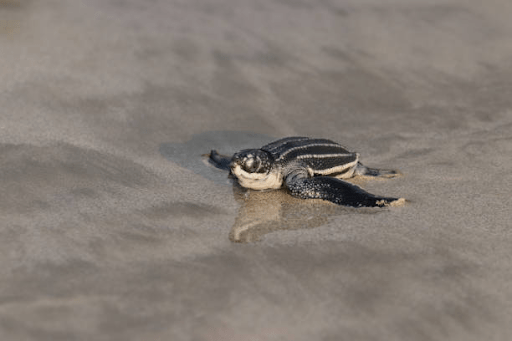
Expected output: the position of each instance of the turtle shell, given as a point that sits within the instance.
(320, 156)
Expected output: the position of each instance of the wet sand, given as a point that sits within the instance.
(113, 227)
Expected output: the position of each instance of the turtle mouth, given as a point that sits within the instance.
(233, 164)
(236, 161)
(241, 173)
(258, 181)
(235, 167)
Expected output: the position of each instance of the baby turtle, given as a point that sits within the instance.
(310, 168)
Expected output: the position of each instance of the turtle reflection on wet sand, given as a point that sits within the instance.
(309, 168)
(264, 212)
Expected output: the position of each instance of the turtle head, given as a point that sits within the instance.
(253, 169)
(252, 161)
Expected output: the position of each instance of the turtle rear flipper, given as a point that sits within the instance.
(334, 190)
(375, 172)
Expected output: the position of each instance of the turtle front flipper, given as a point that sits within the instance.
(219, 161)
(334, 190)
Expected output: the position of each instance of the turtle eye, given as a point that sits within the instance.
(251, 165)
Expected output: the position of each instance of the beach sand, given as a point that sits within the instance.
(113, 226)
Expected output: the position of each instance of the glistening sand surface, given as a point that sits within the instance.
(113, 228)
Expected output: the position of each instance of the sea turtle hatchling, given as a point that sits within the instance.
(310, 168)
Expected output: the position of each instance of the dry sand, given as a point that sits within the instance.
(113, 228)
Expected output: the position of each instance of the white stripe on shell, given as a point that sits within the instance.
(309, 145)
(336, 169)
(321, 156)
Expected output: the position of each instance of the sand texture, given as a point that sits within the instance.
(113, 226)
